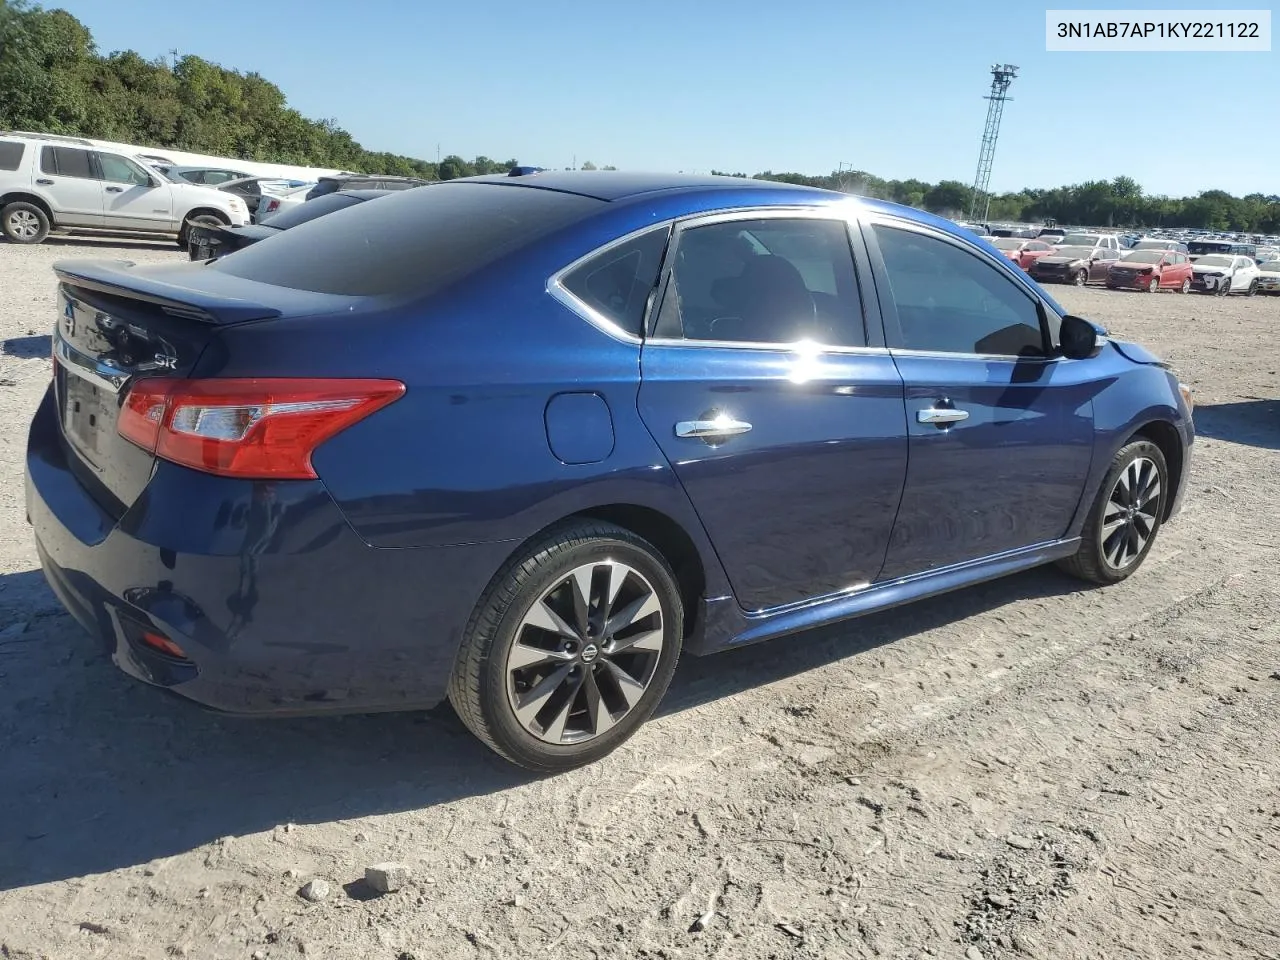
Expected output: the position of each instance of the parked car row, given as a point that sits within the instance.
(522, 441)
(53, 184)
(1149, 264)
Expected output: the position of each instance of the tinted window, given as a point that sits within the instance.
(66, 162)
(318, 207)
(10, 154)
(119, 170)
(764, 281)
(412, 242)
(952, 301)
(616, 282)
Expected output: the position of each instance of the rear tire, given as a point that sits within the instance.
(1253, 289)
(1125, 517)
(24, 222)
(601, 673)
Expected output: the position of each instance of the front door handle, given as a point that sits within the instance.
(711, 429)
(115, 189)
(45, 182)
(941, 415)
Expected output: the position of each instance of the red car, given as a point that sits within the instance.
(1022, 252)
(1151, 270)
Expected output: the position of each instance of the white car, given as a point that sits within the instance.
(51, 184)
(1222, 274)
(1269, 277)
(277, 200)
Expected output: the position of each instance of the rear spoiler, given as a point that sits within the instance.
(118, 278)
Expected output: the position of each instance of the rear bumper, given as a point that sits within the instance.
(279, 607)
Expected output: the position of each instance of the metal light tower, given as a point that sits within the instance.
(1002, 75)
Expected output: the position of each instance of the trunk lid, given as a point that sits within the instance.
(116, 325)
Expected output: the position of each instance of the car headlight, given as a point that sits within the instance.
(1186, 396)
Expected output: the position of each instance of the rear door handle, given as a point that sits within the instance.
(115, 189)
(941, 415)
(704, 429)
(45, 182)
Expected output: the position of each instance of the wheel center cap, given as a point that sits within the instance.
(590, 652)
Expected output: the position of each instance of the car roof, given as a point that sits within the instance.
(365, 194)
(610, 185)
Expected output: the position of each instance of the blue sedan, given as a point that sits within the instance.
(522, 441)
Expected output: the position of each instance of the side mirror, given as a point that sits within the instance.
(1079, 339)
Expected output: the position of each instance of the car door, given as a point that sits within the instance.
(1001, 431)
(131, 199)
(1103, 258)
(774, 400)
(67, 178)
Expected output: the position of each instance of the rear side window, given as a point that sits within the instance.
(616, 282)
(951, 301)
(10, 154)
(412, 242)
(66, 162)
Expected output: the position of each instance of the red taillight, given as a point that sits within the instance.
(252, 429)
(272, 206)
(163, 644)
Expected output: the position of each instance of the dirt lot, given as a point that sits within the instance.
(1026, 768)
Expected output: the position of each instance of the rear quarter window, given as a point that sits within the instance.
(10, 154)
(412, 242)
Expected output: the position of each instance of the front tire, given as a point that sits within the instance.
(1253, 289)
(207, 219)
(1081, 278)
(571, 648)
(24, 222)
(1186, 286)
(1154, 285)
(1125, 517)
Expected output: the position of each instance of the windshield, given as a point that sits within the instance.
(1214, 262)
(1151, 245)
(1008, 243)
(1210, 246)
(1079, 240)
(1270, 266)
(1145, 256)
(1075, 253)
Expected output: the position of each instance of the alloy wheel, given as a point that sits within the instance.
(1129, 520)
(585, 653)
(1082, 278)
(24, 224)
(1186, 286)
(1154, 285)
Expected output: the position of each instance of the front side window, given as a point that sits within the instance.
(117, 169)
(11, 154)
(616, 283)
(952, 301)
(66, 162)
(770, 280)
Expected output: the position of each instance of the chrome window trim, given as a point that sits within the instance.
(557, 289)
(788, 347)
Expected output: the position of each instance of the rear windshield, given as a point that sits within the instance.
(413, 242)
(319, 207)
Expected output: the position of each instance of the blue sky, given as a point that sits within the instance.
(894, 88)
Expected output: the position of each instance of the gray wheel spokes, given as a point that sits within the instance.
(585, 652)
(1129, 517)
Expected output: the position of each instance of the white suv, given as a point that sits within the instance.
(67, 185)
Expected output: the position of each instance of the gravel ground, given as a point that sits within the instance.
(1024, 768)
